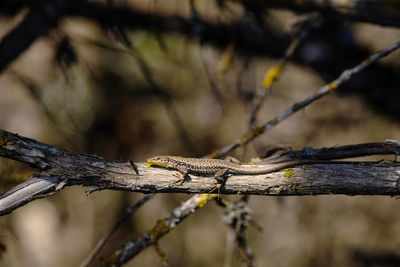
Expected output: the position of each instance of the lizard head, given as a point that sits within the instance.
(161, 161)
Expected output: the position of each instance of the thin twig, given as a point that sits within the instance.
(165, 99)
(328, 88)
(196, 20)
(237, 216)
(103, 240)
(34, 91)
(302, 27)
(133, 247)
(214, 88)
(270, 79)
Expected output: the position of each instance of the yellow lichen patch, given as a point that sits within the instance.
(2, 139)
(205, 198)
(5, 139)
(293, 188)
(112, 260)
(159, 230)
(226, 60)
(333, 86)
(213, 155)
(253, 160)
(273, 122)
(272, 76)
(224, 202)
(289, 173)
(304, 166)
(161, 254)
(253, 133)
(280, 189)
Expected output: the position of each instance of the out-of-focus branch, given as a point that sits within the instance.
(102, 241)
(59, 168)
(383, 12)
(262, 41)
(323, 91)
(247, 39)
(37, 22)
(237, 216)
(165, 99)
(41, 19)
(132, 248)
(304, 24)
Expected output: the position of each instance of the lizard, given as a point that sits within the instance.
(217, 167)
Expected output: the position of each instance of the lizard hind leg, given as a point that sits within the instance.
(221, 175)
(220, 178)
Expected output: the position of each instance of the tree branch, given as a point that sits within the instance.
(59, 168)
(344, 77)
(131, 248)
(248, 38)
(37, 22)
(125, 217)
(384, 12)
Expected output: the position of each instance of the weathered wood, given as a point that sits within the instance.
(58, 168)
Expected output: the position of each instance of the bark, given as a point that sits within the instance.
(58, 168)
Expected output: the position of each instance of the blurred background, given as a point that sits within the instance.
(132, 79)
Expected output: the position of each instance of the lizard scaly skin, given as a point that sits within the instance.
(216, 167)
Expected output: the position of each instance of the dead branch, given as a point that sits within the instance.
(344, 77)
(131, 248)
(58, 168)
(124, 218)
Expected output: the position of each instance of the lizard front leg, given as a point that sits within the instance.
(183, 174)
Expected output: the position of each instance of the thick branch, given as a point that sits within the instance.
(59, 168)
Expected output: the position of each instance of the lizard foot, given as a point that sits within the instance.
(181, 179)
(216, 187)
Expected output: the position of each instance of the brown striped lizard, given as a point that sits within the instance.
(219, 168)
